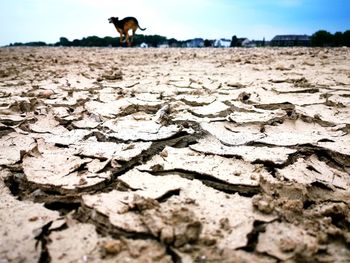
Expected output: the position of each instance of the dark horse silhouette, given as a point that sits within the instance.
(123, 26)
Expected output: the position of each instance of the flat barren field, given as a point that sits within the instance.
(174, 155)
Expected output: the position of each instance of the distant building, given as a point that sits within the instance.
(222, 42)
(245, 42)
(196, 42)
(144, 45)
(290, 40)
(260, 43)
(163, 45)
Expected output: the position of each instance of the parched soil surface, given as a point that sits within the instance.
(174, 155)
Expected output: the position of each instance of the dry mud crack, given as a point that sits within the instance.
(174, 155)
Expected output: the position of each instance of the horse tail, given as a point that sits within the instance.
(143, 29)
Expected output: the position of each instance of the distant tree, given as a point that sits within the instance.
(207, 43)
(138, 40)
(17, 44)
(155, 40)
(36, 44)
(173, 42)
(151, 40)
(30, 44)
(346, 38)
(338, 39)
(76, 43)
(234, 41)
(111, 41)
(64, 42)
(321, 38)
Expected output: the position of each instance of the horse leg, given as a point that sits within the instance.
(133, 34)
(127, 39)
(121, 39)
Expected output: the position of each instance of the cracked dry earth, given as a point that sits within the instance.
(174, 155)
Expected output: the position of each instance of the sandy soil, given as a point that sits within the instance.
(174, 155)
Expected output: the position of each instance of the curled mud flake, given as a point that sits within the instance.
(269, 99)
(59, 169)
(66, 137)
(113, 209)
(61, 102)
(47, 124)
(276, 155)
(196, 100)
(309, 63)
(339, 101)
(111, 75)
(61, 112)
(162, 115)
(339, 149)
(325, 115)
(236, 85)
(149, 186)
(213, 110)
(5, 129)
(128, 130)
(282, 67)
(259, 117)
(211, 169)
(230, 136)
(87, 122)
(288, 88)
(313, 170)
(164, 153)
(11, 119)
(107, 150)
(14, 146)
(297, 132)
(96, 166)
(108, 110)
(122, 107)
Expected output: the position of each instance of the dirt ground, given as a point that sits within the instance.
(174, 155)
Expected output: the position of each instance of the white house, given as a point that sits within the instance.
(245, 42)
(222, 42)
(163, 45)
(196, 42)
(144, 45)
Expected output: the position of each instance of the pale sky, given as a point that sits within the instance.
(48, 20)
